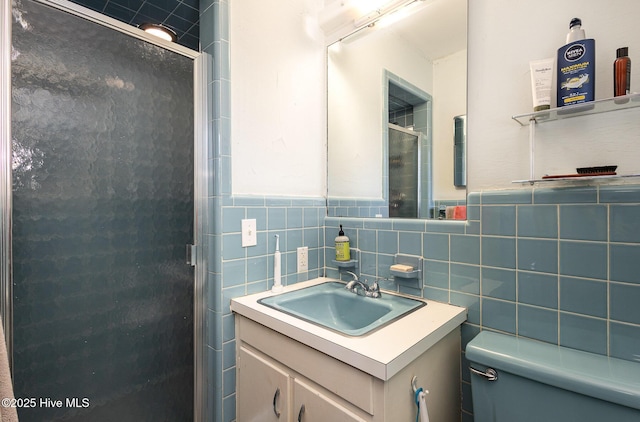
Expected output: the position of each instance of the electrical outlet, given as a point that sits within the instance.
(249, 236)
(303, 259)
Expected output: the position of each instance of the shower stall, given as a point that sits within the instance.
(100, 147)
(405, 175)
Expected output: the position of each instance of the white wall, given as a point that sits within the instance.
(449, 100)
(504, 35)
(279, 106)
(278, 92)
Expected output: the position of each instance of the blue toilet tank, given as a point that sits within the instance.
(538, 381)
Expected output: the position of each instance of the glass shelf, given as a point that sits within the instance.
(578, 179)
(583, 109)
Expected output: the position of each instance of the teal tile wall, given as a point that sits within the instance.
(559, 265)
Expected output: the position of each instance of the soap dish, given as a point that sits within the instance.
(407, 267)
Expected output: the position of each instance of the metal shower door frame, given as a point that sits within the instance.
(201, 65)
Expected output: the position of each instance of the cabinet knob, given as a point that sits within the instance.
(301, 413)
(275, 402)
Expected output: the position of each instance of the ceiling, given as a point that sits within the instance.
(182, 16)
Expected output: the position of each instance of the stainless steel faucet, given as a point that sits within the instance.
(362, 288)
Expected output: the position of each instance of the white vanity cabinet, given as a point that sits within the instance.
(277, 375)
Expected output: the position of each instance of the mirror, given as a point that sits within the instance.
(393, 93)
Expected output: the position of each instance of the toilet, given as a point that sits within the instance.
(521, 380)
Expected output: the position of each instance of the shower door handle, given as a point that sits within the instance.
(191, 255)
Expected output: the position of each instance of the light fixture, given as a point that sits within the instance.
(160, 31)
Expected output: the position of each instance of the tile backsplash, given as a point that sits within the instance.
(558, 265)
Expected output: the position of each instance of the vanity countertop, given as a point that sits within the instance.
(382, 353)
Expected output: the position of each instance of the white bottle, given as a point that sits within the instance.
(342, 246)
(576, 32)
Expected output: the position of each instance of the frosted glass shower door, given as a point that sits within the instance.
(404, 172)
(103, 206)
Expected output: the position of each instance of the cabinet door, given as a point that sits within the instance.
(311, 405)
(262, 390)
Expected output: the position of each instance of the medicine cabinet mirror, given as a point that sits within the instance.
(393, 94)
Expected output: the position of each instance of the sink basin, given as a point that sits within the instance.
(332, 306)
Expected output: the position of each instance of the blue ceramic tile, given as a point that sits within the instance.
(465, 278)
(229, 382)
(473, 198)
(624, 302)
(471, 302)
(625, 223)
(232, 219)
(387, 242)
(261, 246)
(214, 329)
(228, 355)
(519, 196)
(294, 218)
(384, 264)
(369, 263)
(311, 237)
(229, 408)
(583, 222)
(441, 226)
(468, 332)
(232, 246)
(228, 327)
(410, 243)
(230, 293)
(435, 246)
(583, 333)
(499, 283)
(440, 295)
(378, 223)
(499, 220)
(276, 201)
(499, 252)
(620, 194)
(465, 249)
(409, 225)
(588, 297)
(538, 221)
(467, 402)
(257, 269)
(294, 239)
(580, 195)
(473, 227)
(276, 218)
(367, 240)
(311, 217)
(583, 259)
(538, 255)
(118, 12)
(473, 212)
(233, 273)
(498, 314)
(538, 289)
(436, 274)
(538, 323)
(214, 286)
(625, 263)
(624, 341)
(178, 24)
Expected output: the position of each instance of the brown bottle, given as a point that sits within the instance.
(622, 73)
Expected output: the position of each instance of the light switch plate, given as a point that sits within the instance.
(249, 235)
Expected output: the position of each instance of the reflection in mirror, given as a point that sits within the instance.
(460, 151)
(406, 77)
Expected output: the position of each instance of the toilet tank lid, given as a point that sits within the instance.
(602, 377)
